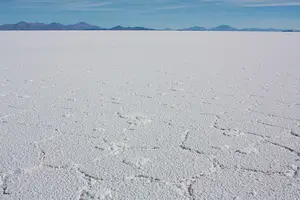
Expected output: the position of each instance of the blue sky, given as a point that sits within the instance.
(156, 13)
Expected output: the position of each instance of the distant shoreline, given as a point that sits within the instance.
(82, 26)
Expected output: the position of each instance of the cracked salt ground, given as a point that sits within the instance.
(135, 119)
(215, 141)
(178, 164)
(43, 183)
(17, 155)
(167, 126)
(296, 131)
(132, 188)
(64, 150)
(264, 158)
(231, 184)
(147, 135)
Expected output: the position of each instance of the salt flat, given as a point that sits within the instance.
(149, 115)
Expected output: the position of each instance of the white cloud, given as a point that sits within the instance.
(73, 5)
(264, 3)
(84, 6)
(107, 5)
(273, 4)
(174, 7)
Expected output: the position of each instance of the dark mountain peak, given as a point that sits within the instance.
(83, 26)
(81, 23)
(53, 26)
(134, 28)
(21, 26)
(37, 23)
(224, 28)
(141, 28)
(119, 27)
(193, 28)
(198, 27)
(288, 31)
(22, 22)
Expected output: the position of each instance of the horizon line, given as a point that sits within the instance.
(144, 27)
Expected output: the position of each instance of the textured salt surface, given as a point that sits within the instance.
(149, 115)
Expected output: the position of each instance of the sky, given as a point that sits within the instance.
(156, 13)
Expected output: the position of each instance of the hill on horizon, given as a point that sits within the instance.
(85, 26)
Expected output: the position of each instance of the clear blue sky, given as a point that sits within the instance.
(156, 13)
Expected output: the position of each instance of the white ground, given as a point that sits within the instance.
(149, 115)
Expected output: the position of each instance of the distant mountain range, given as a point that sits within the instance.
(85, 26)
(229, 28)
(52, 26)
(137, 28)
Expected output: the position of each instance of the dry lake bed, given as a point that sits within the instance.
(149, 115)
